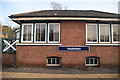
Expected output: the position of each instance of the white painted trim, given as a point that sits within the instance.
(23, 44)
(45, 33)
(112, 34)
(66, 18)
(53, 64)
(99, 44)
(91, 64)
(96, 31)
(9, 45)
(109, 33)
(31, 33)
(17, 30)
(48, 34)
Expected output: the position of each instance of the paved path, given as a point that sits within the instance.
(61, 70)
(45, 75)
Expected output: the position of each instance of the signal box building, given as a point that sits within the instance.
(67, 38)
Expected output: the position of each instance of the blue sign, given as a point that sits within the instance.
(82, 48)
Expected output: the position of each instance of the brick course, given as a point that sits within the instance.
(8, 59)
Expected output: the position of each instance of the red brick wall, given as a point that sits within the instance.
(72, 34)
(8, 59)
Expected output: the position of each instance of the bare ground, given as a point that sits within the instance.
(62, 70)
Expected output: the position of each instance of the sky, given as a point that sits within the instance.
(9, 7)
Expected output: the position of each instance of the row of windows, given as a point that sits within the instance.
(50, 33)
(102, 33)
(56, 61)
(43, 33)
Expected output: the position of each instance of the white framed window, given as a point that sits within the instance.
(92, 61)
(53, 61)
(104, 33)
(54, 33)
(115, 33)
(27, 33)
(40, 32)
(91, 33)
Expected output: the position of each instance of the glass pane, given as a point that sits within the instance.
(58, 61)
(87, 61)
(56, 32)
(95, 60)
(91, 61)
(91, 33)
(27, 33)
(37, 33)
(49, 61)
(116, 34)
(53, 61)
(53, 32)
(40, 32)
(104, 33)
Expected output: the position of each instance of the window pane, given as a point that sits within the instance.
(49, 61)
(95, 61)
(116, 34)
(87, 61)
(53, 32)
(53, 61)
(58, 61)
(40, 32)
(91, 61)
(27, 33)
(37, 33)
(91, 33)
(56, 33)
(104, 33)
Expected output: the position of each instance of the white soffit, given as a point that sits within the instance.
(65, 18)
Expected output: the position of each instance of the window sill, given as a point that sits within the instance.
(103, 44)
(53, 64)
(35, 44)
(91, 65)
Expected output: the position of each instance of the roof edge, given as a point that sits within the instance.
(27, 12)
(63, 10)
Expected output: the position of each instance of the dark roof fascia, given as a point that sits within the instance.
(53, 21)
(61, 16)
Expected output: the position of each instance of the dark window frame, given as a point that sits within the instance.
(54, 61)
(93, 59)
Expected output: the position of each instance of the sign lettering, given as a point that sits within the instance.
(81, 48)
